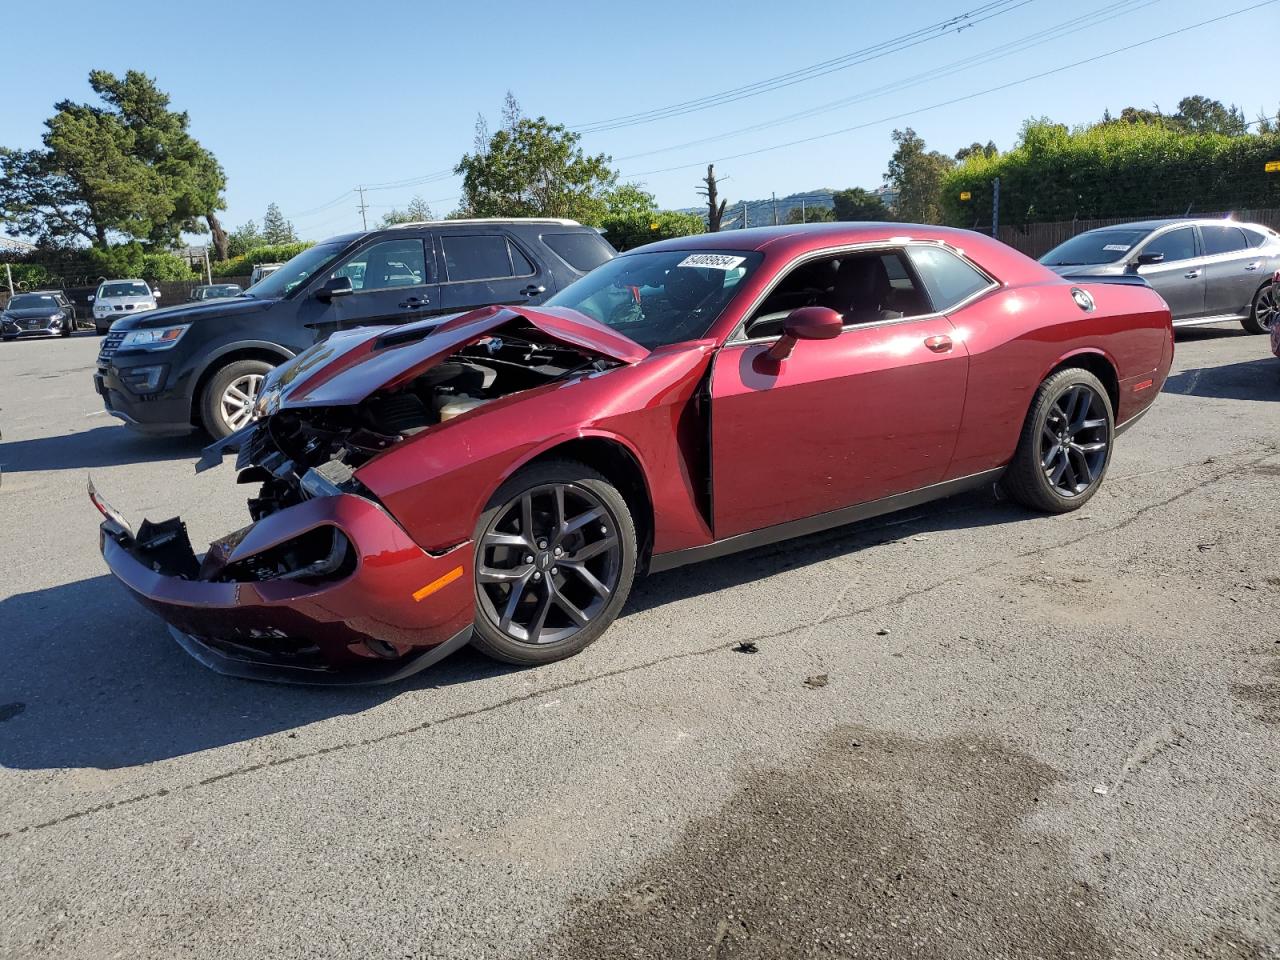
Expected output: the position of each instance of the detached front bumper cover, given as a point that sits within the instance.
(330, 591)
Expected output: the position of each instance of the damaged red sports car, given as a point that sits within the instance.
(501, 477)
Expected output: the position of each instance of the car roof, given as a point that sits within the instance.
(1178, 221)
(554, 221)
(123, 280)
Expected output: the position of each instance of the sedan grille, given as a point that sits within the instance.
(110, 344)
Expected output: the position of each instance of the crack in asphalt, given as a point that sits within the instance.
(634, 668)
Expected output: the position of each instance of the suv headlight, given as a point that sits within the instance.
(160, 338)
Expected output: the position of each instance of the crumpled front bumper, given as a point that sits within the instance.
(397, 610)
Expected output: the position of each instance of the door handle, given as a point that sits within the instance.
(414, 303)
(1254, 265)
(939, 344)
(1192, 274)
(533, 289)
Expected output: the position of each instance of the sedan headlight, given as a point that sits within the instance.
(159, 338)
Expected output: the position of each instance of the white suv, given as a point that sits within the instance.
(118, 298)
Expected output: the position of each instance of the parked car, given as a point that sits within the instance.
(214, 291)
(504, 475)
(115, 299)
(41, 313)
(262, 270)
(1206, 270)
(202, 364)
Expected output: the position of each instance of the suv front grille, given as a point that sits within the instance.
(110, 344)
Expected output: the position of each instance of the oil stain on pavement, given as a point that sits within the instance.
(870, 846)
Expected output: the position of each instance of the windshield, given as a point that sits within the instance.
(1096, 246)
(662, 297)
(32, 301)
(127, 288)
(284, 280)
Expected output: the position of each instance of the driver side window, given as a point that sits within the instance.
(862, 287)
(386, 265)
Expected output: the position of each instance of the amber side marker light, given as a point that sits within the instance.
(1144, 385)
(440, 582)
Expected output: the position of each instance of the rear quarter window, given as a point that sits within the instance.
(584, 251)
(948, 279)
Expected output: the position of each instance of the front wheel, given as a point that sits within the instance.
(227, 402)
(1065, 446)
(555, 560)
(1263, 313)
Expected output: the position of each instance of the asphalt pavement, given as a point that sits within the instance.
(966, 731)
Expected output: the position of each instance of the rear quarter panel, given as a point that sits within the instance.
(1019, 334)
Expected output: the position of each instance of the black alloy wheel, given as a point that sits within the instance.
(554, 563)
(1065, 446)
(1075, 441)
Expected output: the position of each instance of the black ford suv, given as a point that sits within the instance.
(200, 365)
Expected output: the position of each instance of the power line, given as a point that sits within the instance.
(1066, 28)
(954, 24)
(962, 99)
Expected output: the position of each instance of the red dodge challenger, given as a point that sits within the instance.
(500, 477)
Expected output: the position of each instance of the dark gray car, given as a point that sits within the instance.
(1206, 270)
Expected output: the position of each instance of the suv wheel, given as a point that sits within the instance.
(1264, 309)
(227, 402)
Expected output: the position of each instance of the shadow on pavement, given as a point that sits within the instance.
(1247, 380)
(90, 679)
(106, 446)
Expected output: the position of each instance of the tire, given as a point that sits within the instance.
(1055, 414)
(214, 414)
(1263, 312)
(606, 539)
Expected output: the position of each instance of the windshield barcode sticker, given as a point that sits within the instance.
(715, 261)
(1117, 247)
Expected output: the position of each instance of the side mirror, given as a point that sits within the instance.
(806, 323)
(335, 287)
(156, 294)
(1146, 259)
(91, 298)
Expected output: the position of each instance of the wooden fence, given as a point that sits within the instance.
(1037, 239)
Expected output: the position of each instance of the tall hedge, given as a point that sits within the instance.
(1113, 170)
(636, 229)
(243, 265)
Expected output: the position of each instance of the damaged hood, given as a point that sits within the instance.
(349, 366)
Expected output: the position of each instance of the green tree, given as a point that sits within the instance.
(916, 174)
(858, 204)
(636, 229)
(629, 200)
(811, 213)
(243, 239)
(1199, 114)
(535, 168)
(275, 228)
(416, 211)
(128, 170)
(976, 149)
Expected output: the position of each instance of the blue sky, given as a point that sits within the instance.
(301, 104)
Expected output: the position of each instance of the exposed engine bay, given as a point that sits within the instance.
(300, 453)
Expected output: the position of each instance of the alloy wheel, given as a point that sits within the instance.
(1074, 441)
(1264, 310)
(238, 399)
(548, 563)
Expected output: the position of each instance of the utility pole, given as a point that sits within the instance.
(802, 214)
(744, 214)
(364, 221)
(775, 209)
(9, 274)
(208, 271)
(995, 208)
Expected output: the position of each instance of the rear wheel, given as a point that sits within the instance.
(555, 560)
(227, 402)
(1065, 446)
(1263, 313)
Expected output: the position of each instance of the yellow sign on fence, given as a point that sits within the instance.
(1273, 166)
(966, 195)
